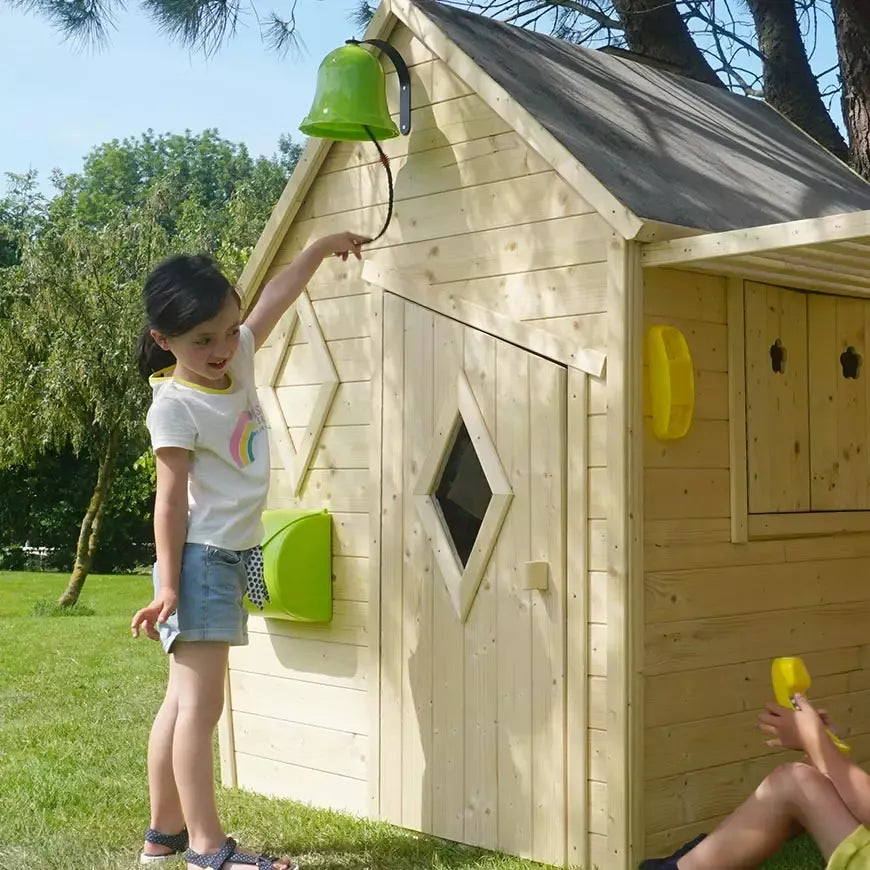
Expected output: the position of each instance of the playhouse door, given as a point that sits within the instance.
(472, 743)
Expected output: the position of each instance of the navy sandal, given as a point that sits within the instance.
(229, 853)
(670, 863)
(177, 842)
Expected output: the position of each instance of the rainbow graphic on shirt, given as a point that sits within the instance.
(242, 439)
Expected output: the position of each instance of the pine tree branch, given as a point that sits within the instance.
(596, 15)
(496, 7)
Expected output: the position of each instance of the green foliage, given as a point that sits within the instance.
(216, 198)
(44, 503)
(14, 558)
(66, 362)
(20, 213)
(41, 499)
(147, 465)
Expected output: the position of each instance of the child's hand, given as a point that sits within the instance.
(158, 611)
(342, 244)
(823, 715)
(802, 729)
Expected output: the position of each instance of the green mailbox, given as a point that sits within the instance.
(297, 557)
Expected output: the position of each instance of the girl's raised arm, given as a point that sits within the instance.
(284, 289)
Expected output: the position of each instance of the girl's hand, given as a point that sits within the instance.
(342, 244)
(158, 611)
(802, 729)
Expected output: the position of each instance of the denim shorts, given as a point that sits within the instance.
(210, 594)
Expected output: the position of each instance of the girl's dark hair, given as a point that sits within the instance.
(179, 294)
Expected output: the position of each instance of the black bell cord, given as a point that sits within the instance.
(386, 163)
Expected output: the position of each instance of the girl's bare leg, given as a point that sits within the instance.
(794, 797)
(166, 814)
(200, 670)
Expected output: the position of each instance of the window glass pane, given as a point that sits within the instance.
(463, 494)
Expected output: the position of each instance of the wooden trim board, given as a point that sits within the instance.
(376, 495)
(227, 738)
(737, 412)
(296, 459)
(415, 288)
(662, 231)
(391, 543)
(755, 240)
(288, 204)
(625, 778)
(800, 525)
(577, 615)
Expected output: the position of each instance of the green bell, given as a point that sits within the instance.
(350, 97)
(350, 102)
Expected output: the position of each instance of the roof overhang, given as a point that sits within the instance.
(826, 254)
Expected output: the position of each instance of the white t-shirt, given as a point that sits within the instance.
(226, 431)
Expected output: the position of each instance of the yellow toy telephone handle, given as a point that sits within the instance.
(790, 677)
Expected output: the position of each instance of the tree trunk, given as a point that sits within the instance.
(789, 84)
(655, 28)
(852, 25)
(90, 529)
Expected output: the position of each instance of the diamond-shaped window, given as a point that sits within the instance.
(462, 496)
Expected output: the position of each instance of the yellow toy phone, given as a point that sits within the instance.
(791, 677)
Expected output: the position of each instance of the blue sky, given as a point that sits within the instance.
(60, 100)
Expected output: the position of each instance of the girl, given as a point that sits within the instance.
(828, 797)
(212, 455)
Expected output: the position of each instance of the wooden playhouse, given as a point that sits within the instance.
(551, 631)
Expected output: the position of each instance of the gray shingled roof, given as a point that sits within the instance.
(669, 148)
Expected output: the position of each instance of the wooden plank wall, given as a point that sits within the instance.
(487, 220)
(717, 613)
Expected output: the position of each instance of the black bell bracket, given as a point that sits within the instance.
(404, 79)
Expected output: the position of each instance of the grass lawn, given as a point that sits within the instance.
(77, 697)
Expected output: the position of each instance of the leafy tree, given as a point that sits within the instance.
(65, 350)
(43, 504)
(205, 181)
(19, 216)
(757, 47)
(72, 306)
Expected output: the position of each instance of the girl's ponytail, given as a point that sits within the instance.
(150, 356)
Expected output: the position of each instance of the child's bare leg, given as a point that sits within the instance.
(200, 670)
(166, 814)
(794, 797)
